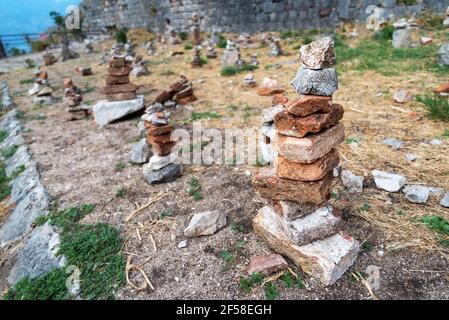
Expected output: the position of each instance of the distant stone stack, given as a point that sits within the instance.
(196, 31)
(73, 100)
(196, 59)
(180, 91)
(275, 46)
(298, 221)
(211, 53)
(49, 58)
(118, 86)
(164, 166)
(231, 56)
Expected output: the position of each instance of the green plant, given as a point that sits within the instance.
(26, 81)
(51, 286)
(121, 193)
(367, 246)
(227, 257)
(8, 152)
(287, 279)
(183, 35)
(237, 227)
(188, 46)
(165, 214)
(3, 135)
(194, 189)
(121, 36)
(271, 292)
(39, 45)
(437, 223)
(66, 218)
(167, 73)
(30, 63)
(222, 42)
(364, 207)
(119, 166)
(197, 116)
(21, 168)
(437, 108)
(384, 34)
(229, 71)
(203, 61)
(246, 284)
(5, 188)
(95, 250)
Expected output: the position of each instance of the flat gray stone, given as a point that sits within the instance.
(20, 157)
(316, 82)
(141, 152)
(34, 204)
(106, 112)
(38, 255)
(388, 181)
(352, 182)
(401, 39)
(167, 174)
(23, 183)
(416, 193)
(443, 55)
(268, 114)
(205, 223)
(445, 201)
(393, 143)
(315, 226)
(158, 162)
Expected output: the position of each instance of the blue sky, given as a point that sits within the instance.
(29, 16)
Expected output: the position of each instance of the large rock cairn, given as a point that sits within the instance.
(298, 221)
(121, 98)
(164, 166)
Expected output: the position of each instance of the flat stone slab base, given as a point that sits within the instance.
(326, 260)
(106, 112)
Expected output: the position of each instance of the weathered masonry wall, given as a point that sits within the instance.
(235, 15)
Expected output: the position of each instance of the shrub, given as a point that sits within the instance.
(183, 36)
(222, 42)
(121, 36)
(39, 45)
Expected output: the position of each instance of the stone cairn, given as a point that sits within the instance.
(73, 100)
(172, 36)
(164, 166)
(298, 221)
(275, 46)
(121, 98)
(211, 53)
(49, 58)
(231, 55)
(196, 30)
(180, 91)
(196, 59)
(118, 86)
(41, 89)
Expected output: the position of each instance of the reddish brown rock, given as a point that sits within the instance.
(187, 92)
(265, 91)
(112, 80)
(163, 149)
(307, 105)
(179, 84)
(120, 88)
(279, 99)
(118, 62)
(119, 71)
(154, 130)
(291, 210)
(311, 147)
(442, 88)
(120, 96)
(267, 264)
(273, 187)
(164, 96)
(187, 100)
(165, 138)
(307, 171)
(294, 126)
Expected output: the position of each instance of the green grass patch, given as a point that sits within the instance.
(8, 152)
(183, 36)
(165, 214)
(197, 116)
(65, 218)
(437, 108)
(379, 55)
(222, 42)
(26, 81)
(121, 193)
(119, 166)
(194, 189)
(437, 223)
(5, 189)
(271, 292)
(247, 283)
(3, 135)
(188, 46)
(167, 73)
(233, 70)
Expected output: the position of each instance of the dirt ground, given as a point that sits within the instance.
(81, 163)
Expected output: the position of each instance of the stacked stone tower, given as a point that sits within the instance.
(298, 221)
(118, 86)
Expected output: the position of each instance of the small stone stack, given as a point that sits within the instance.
(73, 100)
(196, 59)
(231, 55)
(275, 46)
(298, 221)
(118, 86)
(180, 91)
(196, 31)
(211, 53)
(49, 58)
(164, 166)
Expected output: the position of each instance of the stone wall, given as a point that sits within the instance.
(234, 15)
